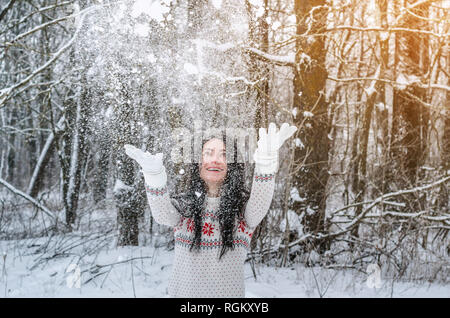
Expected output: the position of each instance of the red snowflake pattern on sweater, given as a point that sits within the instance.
(190, 225)
(208, 229)
(241, 226)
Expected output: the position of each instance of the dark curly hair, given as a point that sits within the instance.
(233, 199)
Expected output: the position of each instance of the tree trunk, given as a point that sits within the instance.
(11, 150)
(101, 174)
(47, 152)
(127, 201)
(373, 93)
(413, 58)
(259, 71)
(73, 152)
(129, 193)
(309, 85)
(78, 154)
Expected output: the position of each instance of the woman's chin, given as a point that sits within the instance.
(214, 179)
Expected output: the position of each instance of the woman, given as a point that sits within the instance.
(213, 223)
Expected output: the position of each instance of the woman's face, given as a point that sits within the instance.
(213, 166)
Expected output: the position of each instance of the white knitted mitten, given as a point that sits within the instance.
(151, 166)
(266, 154)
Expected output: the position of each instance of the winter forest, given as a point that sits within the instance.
(361, 203)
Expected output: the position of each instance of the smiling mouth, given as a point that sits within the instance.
(214, 169)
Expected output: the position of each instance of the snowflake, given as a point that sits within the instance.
(208, 229)
(190, 225)
(241, 226)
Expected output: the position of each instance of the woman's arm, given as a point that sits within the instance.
(266, 166)
(156, 185)
(260, 198)
(158, 198)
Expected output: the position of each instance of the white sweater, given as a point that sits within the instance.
(201, 274)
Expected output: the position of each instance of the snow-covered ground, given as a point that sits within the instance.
(144, 272)
(48, 265)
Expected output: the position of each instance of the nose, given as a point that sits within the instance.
(218, 158)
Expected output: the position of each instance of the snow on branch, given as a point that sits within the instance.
(28, 198)
(408, 9)
(372, 204)
(5, 10)
(400, 85)
(389, 30)
(39, 27)
(401, 192)
(44, 9)
(421, 214)
(45, 149)
(5, 93)
(380, 199)
(288, 60)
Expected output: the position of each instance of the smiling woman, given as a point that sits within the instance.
(214, 220)
(214, 180)
(214, 166)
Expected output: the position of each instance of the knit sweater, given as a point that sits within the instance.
(201, 274)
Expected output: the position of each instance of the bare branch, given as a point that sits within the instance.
(412, 6)
(6, 9)
(288, 60)
(353, 79)
(48, 143)
(39, 27)
(5, 93)
(388, 30)
(28, 198)
(375, 202)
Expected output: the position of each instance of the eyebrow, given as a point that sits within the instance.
(213, 149)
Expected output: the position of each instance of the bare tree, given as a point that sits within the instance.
(309, 98)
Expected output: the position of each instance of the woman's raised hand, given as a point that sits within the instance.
(149, 163)
(269, 142)
(286, 132)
